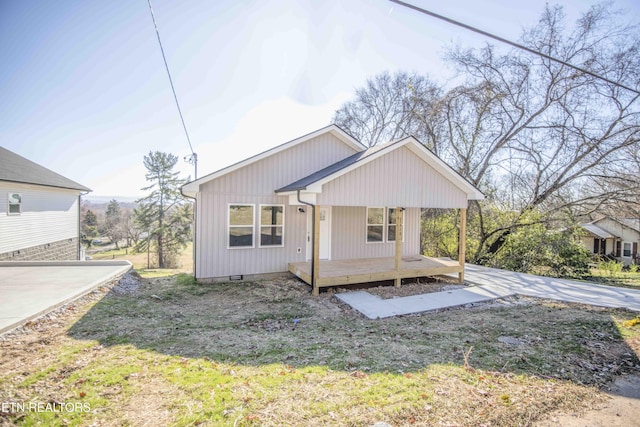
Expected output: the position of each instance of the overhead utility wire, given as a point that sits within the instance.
(193, 159)
(514, 44)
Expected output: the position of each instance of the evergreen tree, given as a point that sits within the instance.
(113, 222)
(89, 227)
(162, 213)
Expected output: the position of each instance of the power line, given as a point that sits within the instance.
(514, 44)
(193, 158)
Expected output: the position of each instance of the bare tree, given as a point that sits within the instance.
(387, 108)
(532, 133)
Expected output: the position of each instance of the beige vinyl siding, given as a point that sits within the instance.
(625, 233)
(216, 260)
(255, 184)
(47, 215)
(400, 178)
(349, 234)
(267, 175)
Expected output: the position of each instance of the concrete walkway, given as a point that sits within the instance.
(30, 289)
(490, 284)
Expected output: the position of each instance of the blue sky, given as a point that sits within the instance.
(84, 91)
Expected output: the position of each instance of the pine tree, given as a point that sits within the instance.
(162, 213)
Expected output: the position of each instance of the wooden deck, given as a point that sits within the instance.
(352, 271)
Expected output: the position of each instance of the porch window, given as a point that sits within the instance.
(241, 226)
(391, 225)
(626, 249)
(15, 204)
(375, 225)
(271, 225)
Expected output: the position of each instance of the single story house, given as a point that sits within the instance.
(614, 237)
(39, 212)
(328, 210)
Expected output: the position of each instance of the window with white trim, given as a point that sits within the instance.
(626, 249)
(14, 206)
(391, 225)
(271, 225)
(241, 224)
(375, 225)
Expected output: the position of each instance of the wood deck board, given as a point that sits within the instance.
(352, 271)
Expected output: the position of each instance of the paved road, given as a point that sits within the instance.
(31, 289)
(491, 283)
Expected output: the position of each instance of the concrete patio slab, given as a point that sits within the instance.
(375, 307)
(30, 289)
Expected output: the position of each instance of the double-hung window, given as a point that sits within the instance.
(14, 204)
(391, 225)
(375, 225)
(241, 225)
(271, 225)
(381, 225)
(626, 249)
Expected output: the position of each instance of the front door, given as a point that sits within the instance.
(325, 232)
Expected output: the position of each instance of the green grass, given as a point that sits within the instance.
(623, 278)
(141, 262)
(181, 353)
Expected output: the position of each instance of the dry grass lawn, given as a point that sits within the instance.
(172, 352)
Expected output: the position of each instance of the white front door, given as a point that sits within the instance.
(325, 232)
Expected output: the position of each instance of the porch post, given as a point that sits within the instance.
(399, 221)
(316, 250)
(462, 243)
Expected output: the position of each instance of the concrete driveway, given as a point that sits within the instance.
(490, 284)
(31, 289)
(551, 288)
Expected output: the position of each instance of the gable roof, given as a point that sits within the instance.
(632, 223)
(314, 182)
(15, 168)
(597, 231)
(191, 188)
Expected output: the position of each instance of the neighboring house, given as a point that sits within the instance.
(39, 212)
(326, 209)
(616, 238)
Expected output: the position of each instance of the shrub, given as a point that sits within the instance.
(611, 266)
(536, 250)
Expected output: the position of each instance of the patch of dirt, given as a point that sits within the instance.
(420, 286)
(621, 408)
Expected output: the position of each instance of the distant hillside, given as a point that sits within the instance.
(101, 202)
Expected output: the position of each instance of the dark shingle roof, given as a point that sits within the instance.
(15, 168)
(303, 183)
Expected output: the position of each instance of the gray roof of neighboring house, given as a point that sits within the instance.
(598, 232)
(633, 223)
(15, 168)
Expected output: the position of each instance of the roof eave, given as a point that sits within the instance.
(335, 130)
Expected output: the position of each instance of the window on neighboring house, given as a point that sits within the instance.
(391, 225)
(241, 224)
(15, 204)
(375, 225)
(271, 225)
(626, 249)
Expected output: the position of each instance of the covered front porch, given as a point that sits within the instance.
(354, 271)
